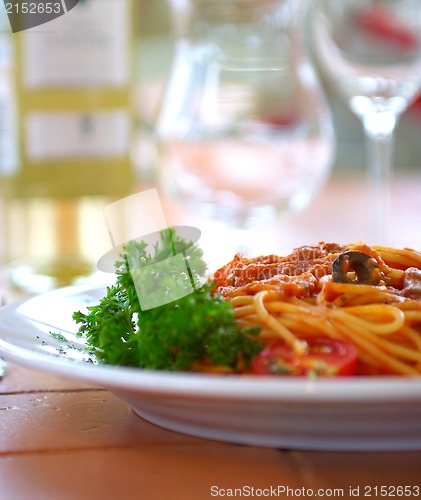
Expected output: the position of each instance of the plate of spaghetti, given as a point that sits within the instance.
(368, 297)
(319, 349)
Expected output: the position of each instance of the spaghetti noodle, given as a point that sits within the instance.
(298, 297)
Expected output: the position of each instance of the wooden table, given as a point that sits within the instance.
(63, 440)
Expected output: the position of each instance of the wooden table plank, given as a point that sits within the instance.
(143, 473)
(45, 421)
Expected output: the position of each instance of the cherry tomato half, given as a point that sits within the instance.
(324, 357)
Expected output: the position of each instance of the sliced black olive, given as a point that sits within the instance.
(357, 268)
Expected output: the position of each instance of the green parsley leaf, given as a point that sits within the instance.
(161, 315)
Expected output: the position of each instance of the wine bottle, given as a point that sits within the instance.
(73, 83)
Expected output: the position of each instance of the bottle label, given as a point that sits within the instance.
(89, 46)
(58, 135)
(8, 129)
(8, 106)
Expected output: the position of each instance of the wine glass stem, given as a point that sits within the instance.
(379, 129)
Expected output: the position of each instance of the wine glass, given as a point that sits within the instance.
(371, 51)
(244, 130)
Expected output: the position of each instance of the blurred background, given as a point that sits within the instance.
(155, 51)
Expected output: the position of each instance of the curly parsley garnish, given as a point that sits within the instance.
(198, 326)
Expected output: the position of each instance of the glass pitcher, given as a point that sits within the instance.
(244, 130)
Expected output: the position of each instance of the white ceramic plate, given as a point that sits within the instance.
(366, 413)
